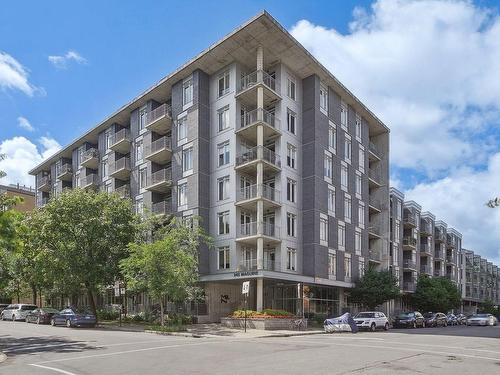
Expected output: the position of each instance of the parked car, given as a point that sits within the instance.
(481, 320)
(74, 318)
(435, 320)
(462, 319)
(17, 311)
(41, 315)
(371, 320)
(452, 319)
(410, 319)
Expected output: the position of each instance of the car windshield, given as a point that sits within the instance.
(480, 316)
(406, 315)
(365, 315)
(28, 307)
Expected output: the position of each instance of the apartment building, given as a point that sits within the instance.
(286, 168)
(27, 194)
(420, 244)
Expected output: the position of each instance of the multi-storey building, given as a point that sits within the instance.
(287, 169)
(27, 195)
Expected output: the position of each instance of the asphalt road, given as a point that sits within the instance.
(47, 350)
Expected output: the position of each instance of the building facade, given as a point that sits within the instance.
(27, 194)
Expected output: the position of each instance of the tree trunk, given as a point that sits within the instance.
(90, 294)
(161, 312)
(33, 294)
(40, 296)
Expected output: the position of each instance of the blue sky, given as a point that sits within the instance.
(428, 69)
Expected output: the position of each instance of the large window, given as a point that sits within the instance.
(143, 176)
(291, 88)
(348, 149)
(187, 92)
(139, 206)
(323, 98)
(344, 176)
(182, 194)
(332, 137)
(139, 147)
(343, 114)
(361, 267)
(187, 159)
(347, 207)
(224, 262)
(223, 118)
(347, 266)
(223, 188)
(357, 241)
(341, 235)
(223, 84)
(142, 118)
(323, 229)
(223, 152)
(223, 220)
(358, 126)
(331, 200)
(361, 159)
(291, 155)
(107, 136)
(291, 259)
(291, 186)
(290, 121)
(361, 214)
(332, 264)
(328, 166)
(182, 128)
(358, 184)
(291, 220)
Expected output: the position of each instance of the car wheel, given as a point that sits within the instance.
(52, 322)
(386, 327)
(414, 324)
(68, 323)
(373, 327)
(423, 324)
(445, 324)
(38, 320)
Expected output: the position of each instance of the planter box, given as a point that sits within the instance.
(258, 323)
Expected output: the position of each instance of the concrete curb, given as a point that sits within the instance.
(294, 334)
(187, 334)
(3, 357)
(182, 334)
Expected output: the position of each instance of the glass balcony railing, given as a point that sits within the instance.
(259, 115)
(258, 77)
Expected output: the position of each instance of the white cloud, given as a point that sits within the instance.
(428, 68)
(459, 199)
(22, 155)
(61, 61)
(14, 76)
(23, 123)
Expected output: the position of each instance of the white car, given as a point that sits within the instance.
(482, 320)
(371, 320)
(17, 311)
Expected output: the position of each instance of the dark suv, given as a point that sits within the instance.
(435, 319)
(410, 319)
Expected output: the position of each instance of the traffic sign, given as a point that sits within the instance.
(246, 287)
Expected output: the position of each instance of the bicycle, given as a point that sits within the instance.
(298, 324)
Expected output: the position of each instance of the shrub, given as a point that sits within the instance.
(169, 328)
(272, 312)
(267, 313)
(107, 314)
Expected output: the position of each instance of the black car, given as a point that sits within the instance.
(410, 319)
(435, 320)
(42, 315)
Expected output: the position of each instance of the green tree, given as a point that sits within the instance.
(375, 288)
(489, 307)
(83, 235)
(166, 268)
(437, 294)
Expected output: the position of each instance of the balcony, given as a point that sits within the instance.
(450, 244)
(90, 159)
(409, 221)
(160, 181)
(374, 153)
(409, 286)
(439, 255)
(437, 273)
(120, 141)
(248, 196)
(120, 169)
(374, 230)
(247, 265)
(159, 120)
(247, 161)
(375, 177)
(374, 205)
(43, 201)
(65, 173)
(247, 90)
(439, 236)
(44, 184)
(450, 259)
(409, 264)
(123, 191)
(424, 268)
(162, 208)
(375, 256)
(89, 181)
(159, 151)
(425, 249)
(250, 121)
(409, 243)
(248, 233)
(426, 230)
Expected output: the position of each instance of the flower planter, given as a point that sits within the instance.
(258, 323)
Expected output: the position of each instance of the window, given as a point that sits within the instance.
(224, 263)
(347, 208)
(223, 151)
(323, 229)
(291, 186)
(223, 85)
(347, 149)
(358, 126)
(291, 220)
(358, 184)
(104, 168)
(142, 118)
(187, 92)
(182, 128)
(361, 214)
(323, 98)
(347, 266)
(357, 241)
(361, 267)
(332, 137)
(188, 221)
(328, 166)
(223, 118)
(341, 235)
(143, 175)
(291, 155)
(182, 194)
(290, 121)
(331, 201)
(398, 207)
(332, 264)
(397, 229)
(291, 259)
(361, 159)
(343, 114)
(290, 88)
(139, 206)
(223, 188)
(139, 148)
(187, 159)
(343, 176)
(223, 220)
(107, 136)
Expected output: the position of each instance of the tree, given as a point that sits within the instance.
(489, 307)
(168, 266)
(492, 203)
(375, 288)
(83, 235)
(436, 294)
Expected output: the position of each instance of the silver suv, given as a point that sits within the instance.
(17, 311)
(371, 320)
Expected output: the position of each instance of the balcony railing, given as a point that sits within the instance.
(375, 203)
(409, 241)
(439, 254)
(425, 248)
(163, 110)
(253, 228)
(424, 268)
(374, 149)
(258, 191)
(161, 176)
(90, 154)
(409, 286)
(410, 220)
(259, 115)
(258, 76)
(450, 259)
(43, 201)
(119, 136)
(162, 208)
(65, 169)
(44, 183)
(89, 180)
(426, 229)
(408, 263)
(375, 255)
(163, 143)
(271, 265)
(439, 236)
(123, 191)
(120, 164)
(248, 265)
(259, 152)
(376, 175)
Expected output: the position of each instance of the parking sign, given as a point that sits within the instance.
(246, 287)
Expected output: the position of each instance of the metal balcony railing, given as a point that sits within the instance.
(439, 236)
(374, 149)
(375, 203)
(43, 201)
(374, 228)
(375, 175)
(439, 254)
(163, 110)
(45, 180)
(248, 265)
(258, 76)
(254, 228)
(163, 175)
(375, 255)
(424, 268)
(121, 135)
(123, 191)
(91, 153)
(258, 191)
(123, 163)
(163, 143)
(259, 152)
(259, 115)
(162, 208)
(89, 180)
(408, 263)
(64, 169)
(425, 248)
(409, 286)
(409, 219)
(450, 259)
(272, 265)
(409, 241)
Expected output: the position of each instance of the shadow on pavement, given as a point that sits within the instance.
(465, 331)
(13, 346)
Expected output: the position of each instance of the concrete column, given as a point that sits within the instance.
(260, 294)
